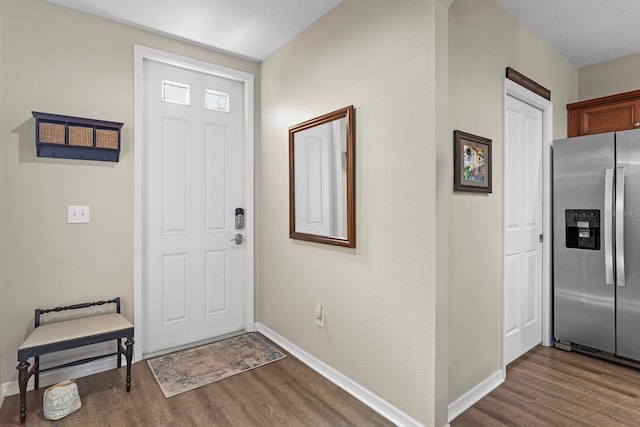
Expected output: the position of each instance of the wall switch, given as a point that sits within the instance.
(319, 315)
(77, 214)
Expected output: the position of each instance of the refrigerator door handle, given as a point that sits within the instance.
(608, 226)
(620, 279)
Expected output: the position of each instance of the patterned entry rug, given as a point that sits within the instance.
(188, 369)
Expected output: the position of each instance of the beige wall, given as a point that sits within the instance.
(61, 61)
(379, 297)
(611, 77)
(484, 39)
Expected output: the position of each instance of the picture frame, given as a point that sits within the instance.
(472, 163)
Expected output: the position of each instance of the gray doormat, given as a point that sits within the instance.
(189, 369)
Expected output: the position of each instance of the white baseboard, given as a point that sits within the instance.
(63, 374)
(373, 401)
(1, 395)
(471, 397)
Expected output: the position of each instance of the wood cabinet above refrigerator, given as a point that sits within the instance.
(606, 114)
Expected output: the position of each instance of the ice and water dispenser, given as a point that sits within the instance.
(582, 228)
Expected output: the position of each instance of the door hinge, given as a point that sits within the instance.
(541, 238)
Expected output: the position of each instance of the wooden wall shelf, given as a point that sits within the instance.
(78, 138)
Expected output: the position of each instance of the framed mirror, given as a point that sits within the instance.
(322, 179)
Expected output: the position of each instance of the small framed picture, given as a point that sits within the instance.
(472, 163)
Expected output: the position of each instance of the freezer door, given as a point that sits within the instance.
(628, 245)
(584, 310)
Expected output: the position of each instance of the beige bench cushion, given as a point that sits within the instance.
(77, 328)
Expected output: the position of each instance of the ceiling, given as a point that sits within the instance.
(585, 31)
(252, 29)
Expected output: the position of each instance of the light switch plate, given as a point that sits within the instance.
(77, 214)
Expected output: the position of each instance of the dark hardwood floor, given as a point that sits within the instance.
(283, 393)
(551, 387)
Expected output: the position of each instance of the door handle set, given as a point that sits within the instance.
(239, 225)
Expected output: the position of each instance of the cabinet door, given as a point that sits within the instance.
(609, 118)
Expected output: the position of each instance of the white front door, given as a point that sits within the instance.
(192, 184)
(522, 262)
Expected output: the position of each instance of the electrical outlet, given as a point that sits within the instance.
(77, 214)
(319, 315)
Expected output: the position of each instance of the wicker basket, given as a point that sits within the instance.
(51, 132)
(81, 136)
(107, 139)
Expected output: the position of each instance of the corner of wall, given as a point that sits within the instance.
(474, 395)
(443, 189)
(2, 204)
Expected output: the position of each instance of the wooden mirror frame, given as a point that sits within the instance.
(350, 241)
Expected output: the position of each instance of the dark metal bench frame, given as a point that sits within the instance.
(24, 373)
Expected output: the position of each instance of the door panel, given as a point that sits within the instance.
(522, 263)
(216, 140)
(217, 264)
(628, 296)
(175, 292)
(612, 113)
(193, 182)
(532, 275)
(511, 275)
(608, 118)
(174, 179)
(584, 311)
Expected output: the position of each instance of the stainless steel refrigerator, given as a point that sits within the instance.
(596, 260)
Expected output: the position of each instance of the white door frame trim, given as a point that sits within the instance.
(525, 95)
(142, 53)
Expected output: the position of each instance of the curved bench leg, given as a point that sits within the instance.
(129, 356)
(23, 377)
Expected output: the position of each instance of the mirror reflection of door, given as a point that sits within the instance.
(320, 179)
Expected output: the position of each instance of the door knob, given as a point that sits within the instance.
(238, 239)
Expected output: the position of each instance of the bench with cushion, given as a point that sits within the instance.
(67, 334)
